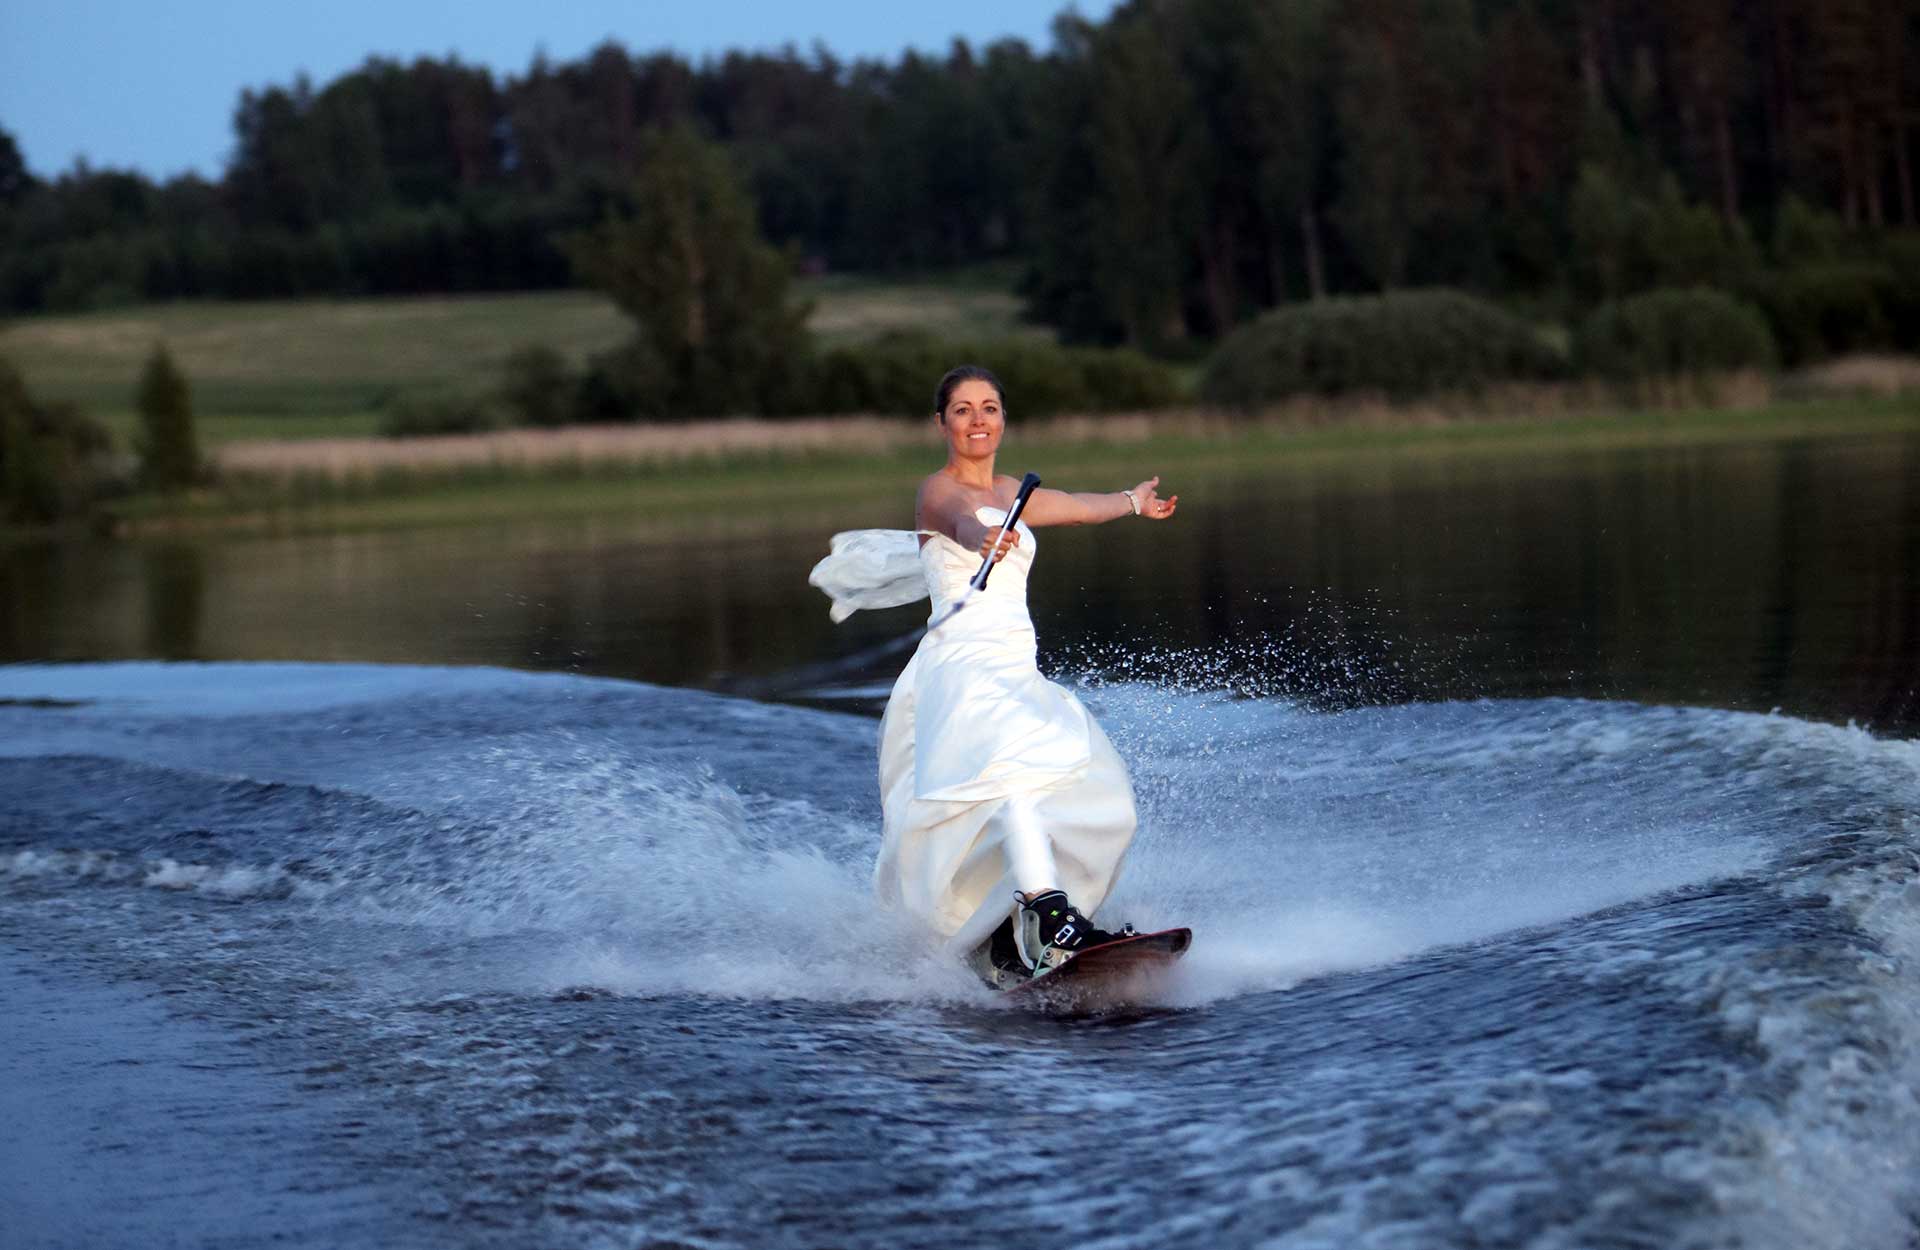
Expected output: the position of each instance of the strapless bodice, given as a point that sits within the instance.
(949, 567)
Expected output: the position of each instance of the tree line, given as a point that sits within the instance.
(1160, 177)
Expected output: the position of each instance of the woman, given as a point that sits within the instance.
(1007, 811)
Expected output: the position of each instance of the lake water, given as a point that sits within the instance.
(1783, 574)
(1550, 826)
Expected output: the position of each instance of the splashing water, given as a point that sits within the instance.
(598, 963)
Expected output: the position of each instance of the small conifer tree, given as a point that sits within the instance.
(169, 452)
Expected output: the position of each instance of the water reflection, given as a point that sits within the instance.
(1780, 574)
(176, 585)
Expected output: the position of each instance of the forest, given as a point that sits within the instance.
(1155, 179)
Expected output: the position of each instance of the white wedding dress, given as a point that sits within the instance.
(972, 724)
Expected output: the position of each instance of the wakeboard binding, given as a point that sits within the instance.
(1049, 952)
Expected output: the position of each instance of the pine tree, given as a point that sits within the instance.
(169, 451)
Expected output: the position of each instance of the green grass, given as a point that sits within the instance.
(301, 368)
(786, 483)
(968, 304)
(318, 368)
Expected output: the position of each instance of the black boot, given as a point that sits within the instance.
(1052, 930)
(1004, 965)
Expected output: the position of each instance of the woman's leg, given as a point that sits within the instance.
(1029, 851)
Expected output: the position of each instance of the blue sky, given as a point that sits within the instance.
(152, 86)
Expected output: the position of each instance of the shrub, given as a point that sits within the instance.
(1624, 241)
(1803, 234)
(1688, 245)
(886, 375)
(1673, 334)
(897, 373)
(1404, 344)
(53, 460)
(1119, 381)
(537, 388)
(1828, 308)
(628, 383)
(444, 412)
(169, 450)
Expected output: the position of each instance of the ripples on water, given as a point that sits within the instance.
(538, 960)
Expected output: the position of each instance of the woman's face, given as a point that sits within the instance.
(973, 420)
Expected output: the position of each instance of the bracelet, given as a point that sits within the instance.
(1133, 501)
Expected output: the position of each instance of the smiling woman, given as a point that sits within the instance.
(1007, 811)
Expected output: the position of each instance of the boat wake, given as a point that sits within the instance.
(1692, 908)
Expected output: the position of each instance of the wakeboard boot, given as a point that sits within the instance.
(1051, 931)
(1042, 933)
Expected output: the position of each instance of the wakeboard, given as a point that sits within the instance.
(1126, 972)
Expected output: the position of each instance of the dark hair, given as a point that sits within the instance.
(965, 373)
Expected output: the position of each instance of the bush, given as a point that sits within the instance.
(537, 388)
(1829, 308)
(628, 383)
(1689, 245)
(1403, 344)
(897, 374)
(1625, 242)
(53, 460)
(1673, 334)
(1803, 234)
(1120, 381)
(446, 412)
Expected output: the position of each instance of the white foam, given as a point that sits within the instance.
(1835, 1161)
(233, 881)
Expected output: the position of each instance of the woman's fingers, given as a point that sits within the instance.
(1007, 543)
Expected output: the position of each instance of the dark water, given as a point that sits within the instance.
(1782, 574)
(1523, 919)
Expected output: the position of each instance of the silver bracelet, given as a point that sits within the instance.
(1133, 501)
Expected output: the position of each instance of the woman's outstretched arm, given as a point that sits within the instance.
(1059, 507)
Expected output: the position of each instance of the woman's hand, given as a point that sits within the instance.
(1152, 507)
(1007, 543)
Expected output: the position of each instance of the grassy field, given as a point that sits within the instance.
(323, 368)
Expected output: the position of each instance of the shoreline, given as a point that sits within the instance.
(699, 468)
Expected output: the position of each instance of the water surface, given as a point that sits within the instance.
(1550, 826)
(1776, 574)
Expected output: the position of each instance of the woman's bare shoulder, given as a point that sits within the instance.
(930, 492)
(932, 501)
